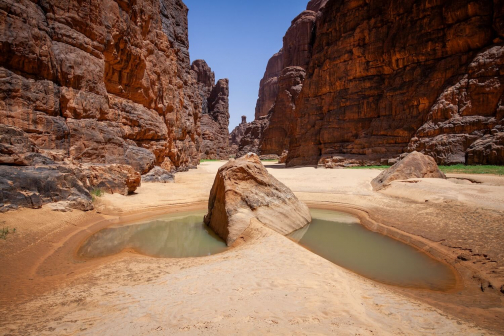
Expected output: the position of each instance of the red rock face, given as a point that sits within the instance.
(215, 112)
(275, 139)
(106, 81)
(236, 135)
(387, 77)
(281, 85)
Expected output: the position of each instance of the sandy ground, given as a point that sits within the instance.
(269, 284)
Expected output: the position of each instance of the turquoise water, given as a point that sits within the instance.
(178, 235)
(339, 238)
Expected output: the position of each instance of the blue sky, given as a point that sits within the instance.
(236, 38)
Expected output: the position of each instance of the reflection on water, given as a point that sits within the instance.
(339, 238)
(171, 236)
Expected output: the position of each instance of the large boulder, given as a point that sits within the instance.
(243, 189)
(414, 165)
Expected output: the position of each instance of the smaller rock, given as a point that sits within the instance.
(414, 165)
(60, 206)
(112, 178)
(283, 157)
(158, 175)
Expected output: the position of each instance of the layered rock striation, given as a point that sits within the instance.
(388, 77)
(214, 114)
(102, 81)
(243, 190)
(31, 177)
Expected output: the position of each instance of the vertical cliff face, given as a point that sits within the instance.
(281, 84)
(102, 81)
(236, 135)
(391, 76)
(215, 112)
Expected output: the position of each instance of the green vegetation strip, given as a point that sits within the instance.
(455, 169)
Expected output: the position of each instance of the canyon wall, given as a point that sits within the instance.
(214, 114)
(283, 79)
(387, 77)
(101, 81)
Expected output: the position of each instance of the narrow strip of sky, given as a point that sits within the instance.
(236, 38)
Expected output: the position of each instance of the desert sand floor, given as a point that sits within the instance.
(269, 284)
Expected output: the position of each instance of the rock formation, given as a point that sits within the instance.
(215, 112)
(236, 135)
(280, 86)
(252, 135)
(244, 190)
(111, 178)
(158, 175)
(103, 81)
(388, 77)
(30, 178)
(413, 165)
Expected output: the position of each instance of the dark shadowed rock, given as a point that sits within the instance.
(414, 165)
(31, 187)
(158, 175)
(244, 190)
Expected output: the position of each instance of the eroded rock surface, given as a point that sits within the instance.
(158, 175)
(215, 112)
(32, 187)
(388, 77)
(414, 165)
(280, 86)
(106, 81)
(113, 178)
(243, 189)
(236, 135)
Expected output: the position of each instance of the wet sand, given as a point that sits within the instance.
(269, 284)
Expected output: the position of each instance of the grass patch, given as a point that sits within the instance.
(95, 193)
(463, 169)
(455, 169)
(209, 160)
(5, 231)
(269, 160)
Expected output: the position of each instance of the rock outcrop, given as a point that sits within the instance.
(252, 135)
(388, 77)
(32, 187)
(276, 137)
(215, 112)
(244, 190)
(104, 81)
(158, 175)
(413, 165)
(30, 177)
(236, 135)
(280, 86)
(112, 179)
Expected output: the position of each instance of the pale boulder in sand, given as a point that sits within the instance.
(414, 165)
(243, 189)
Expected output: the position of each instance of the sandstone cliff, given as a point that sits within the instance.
(387, 77)
(280, 86)
(236, 135)
(215, 112)
(102, 81)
